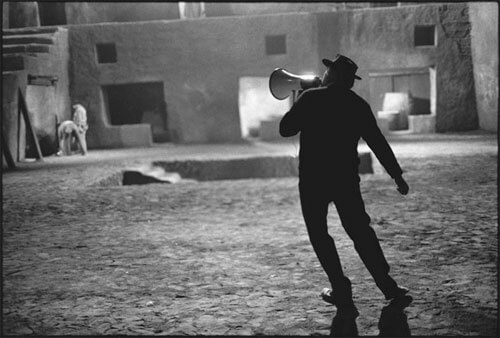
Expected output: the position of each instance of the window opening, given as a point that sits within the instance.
(425, 35)
(106, 52)
(275, 44)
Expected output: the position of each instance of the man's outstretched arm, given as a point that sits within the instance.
(377, 142)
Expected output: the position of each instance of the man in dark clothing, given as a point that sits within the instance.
(331, 119)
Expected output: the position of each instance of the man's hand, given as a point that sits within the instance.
(403, 187)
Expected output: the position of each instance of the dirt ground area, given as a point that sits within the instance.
(233, 257)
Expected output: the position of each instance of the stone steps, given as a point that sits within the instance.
(29, 31)
(19, 43)
(27, 48)
(12, 62)
(46, 39)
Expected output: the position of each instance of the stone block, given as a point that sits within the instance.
(391, 118)
(136, 135)
(383, 124)
(422, 124)
(244, 168)
(12, 62)
(365, 163)
(400, 102)
(397, 101)
(23, 14)
(129, 135)
(103, 137)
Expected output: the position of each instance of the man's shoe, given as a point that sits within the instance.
(347, 312)
(400, 291)
(343, 293)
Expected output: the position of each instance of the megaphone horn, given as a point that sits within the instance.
(282, 83)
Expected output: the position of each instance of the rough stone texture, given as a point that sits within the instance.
(225, 9)
(23, 14)
(138, 135)
(456, 99)
(421, 124)
(200, 86)
(98, 12)
(5, 14)
(82, 13)
(382, 38)
(269, 130)
(14, 133)
(484, 33)
(236, 168)
(233, 257)
(245, 167)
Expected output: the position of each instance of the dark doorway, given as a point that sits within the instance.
(52, 13)
(134, 103)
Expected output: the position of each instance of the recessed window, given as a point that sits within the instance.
(275, 44)
(106, 52)
(425, 35)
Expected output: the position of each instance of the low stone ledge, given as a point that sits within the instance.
(422, 124)
(218, 169)
(242, 168)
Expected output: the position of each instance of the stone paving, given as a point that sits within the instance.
(82, 257)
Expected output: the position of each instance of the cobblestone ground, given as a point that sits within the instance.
(233, 257)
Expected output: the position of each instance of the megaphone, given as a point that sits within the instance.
(283, 83)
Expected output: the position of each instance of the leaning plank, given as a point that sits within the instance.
(23, 107)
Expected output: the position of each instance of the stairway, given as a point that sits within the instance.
(19, 43)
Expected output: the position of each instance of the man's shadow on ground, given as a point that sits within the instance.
(393, 321)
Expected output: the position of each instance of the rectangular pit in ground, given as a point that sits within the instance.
(241, 168)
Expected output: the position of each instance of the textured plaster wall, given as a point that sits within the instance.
(23, 14)
(199, 62)
(263, 8)
(44, 103)
(484, 19)
(5, 14)
(98, 12)
(11, 129)
(382, 38)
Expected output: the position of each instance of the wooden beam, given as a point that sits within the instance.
(6, 152)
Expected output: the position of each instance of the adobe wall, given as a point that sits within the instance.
(13, 132)
(99, 12)
(213, 9)
(382, 38)
(23, 14)
(484, 20)
(44, 102)
(199, 62)
(5, 14)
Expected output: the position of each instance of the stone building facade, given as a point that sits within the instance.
(182, 76)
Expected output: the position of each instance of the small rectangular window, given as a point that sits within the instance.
(425, 35)
(275, 44)
(106, 52)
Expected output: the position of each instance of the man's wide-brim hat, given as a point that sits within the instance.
(344, 63)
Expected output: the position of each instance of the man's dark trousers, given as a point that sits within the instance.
(315, 198)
